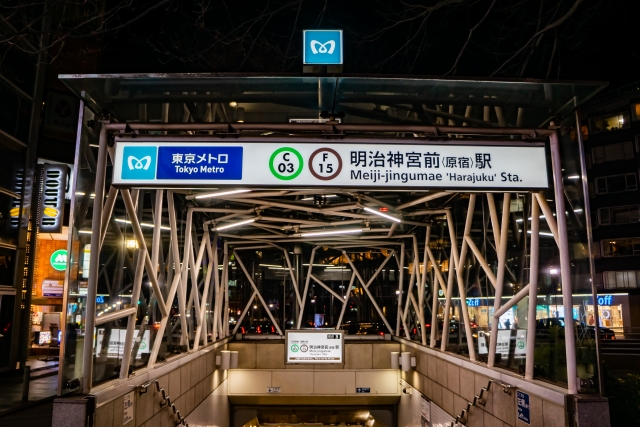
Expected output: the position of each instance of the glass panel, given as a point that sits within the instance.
(613, 152)
(631, 279)
(619, 215)
(601, 185)
(610, 279)
(635, 111)
(628, 150)
(604, 216)
(609, 123)
(632, 182)
(616, 183)
(598, 154)
(620, 279)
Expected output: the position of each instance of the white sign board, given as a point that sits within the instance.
(117, 340)
(482, 343)
(449, 165)
(323, 346)
(521, 343)
(504, 340)
(129, 409)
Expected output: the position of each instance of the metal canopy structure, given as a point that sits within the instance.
(194, 235)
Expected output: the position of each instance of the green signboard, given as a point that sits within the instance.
(59, 260)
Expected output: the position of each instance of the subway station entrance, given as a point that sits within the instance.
(328, 251)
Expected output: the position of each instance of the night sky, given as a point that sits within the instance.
(597, 42)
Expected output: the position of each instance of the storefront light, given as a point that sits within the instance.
(131, 244)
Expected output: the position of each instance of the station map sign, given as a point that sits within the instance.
(315, 347)
(450, 165)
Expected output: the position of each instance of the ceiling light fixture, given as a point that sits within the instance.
(236, 224)
(219, 194)
(373, 211)
(330, 233)
(142, 224)
(325, 195)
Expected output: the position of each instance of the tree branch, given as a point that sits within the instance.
(551, 26)
(454, 67)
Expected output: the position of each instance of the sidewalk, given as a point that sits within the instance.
(43, 384)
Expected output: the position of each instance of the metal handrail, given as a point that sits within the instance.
(166, 400)
(480, 399)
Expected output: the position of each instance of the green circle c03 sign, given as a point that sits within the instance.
(286, 163)
(59, 260)
(295, 348)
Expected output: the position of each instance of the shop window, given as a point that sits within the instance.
(621, 279)
(616, 183)
(619, 215)
(612, 153)
(620, 247)
(635, 111)
(609, 123)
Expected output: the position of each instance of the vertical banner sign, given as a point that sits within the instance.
(523, 407)
(322, 47)
(54, 187)
(127, 416)
(521, 343)
(504, 339)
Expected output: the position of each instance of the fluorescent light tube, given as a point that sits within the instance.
(331, 232)
(237, 224)
(223, 193)
(373, 211)
(325, 195)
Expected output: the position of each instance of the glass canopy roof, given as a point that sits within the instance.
(370, 99)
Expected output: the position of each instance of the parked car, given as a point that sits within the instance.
(365, 328)
(582, 329)
(454, 328)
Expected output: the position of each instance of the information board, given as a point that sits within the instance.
(128, 408)
(449, 165)
(504, 341)
(321, 346)
(116, 342)
(522, 399)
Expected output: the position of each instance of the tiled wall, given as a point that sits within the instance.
(43, 266)
(451, 387)
(411, 410)
(214, 410)
(357, 355)
(187, 386)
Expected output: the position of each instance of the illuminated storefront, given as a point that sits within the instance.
(613, 311)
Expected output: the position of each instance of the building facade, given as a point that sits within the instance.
(611, 134)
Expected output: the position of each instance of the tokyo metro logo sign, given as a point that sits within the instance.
(317, 47)
(142, 163)
(139, 163)
(322, 47)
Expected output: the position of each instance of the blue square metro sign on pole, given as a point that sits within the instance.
(322, 47)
